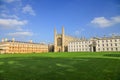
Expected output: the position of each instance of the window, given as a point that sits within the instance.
(98, 49)
(111, 44)
(106, 44)
(106, 40)
(103, 44)
(103, 49)
(115, 44)
(59, 42)
(107, 48)
(98, 41)
(111, 49)
(115, 40)
(110, 40)
(103, 41)
(116, 49)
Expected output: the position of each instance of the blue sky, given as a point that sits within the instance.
(36, 19)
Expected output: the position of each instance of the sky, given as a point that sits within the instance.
(36, 20)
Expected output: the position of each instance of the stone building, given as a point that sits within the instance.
(50, 47)
(95, 44)
(12, 46)
(61, 41)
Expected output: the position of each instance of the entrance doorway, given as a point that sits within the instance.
(59, 50)
(94, 48)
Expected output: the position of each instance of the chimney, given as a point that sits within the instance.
(113, 35)
(104, 36)
(3, 40)
(13, 39)
(30, 41)
(6, 39)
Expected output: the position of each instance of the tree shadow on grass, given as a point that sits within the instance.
(112, 55)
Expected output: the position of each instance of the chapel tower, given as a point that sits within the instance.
(59, 41)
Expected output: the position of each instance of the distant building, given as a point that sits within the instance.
(12, 46)
(51, 47)
(95, 45)
(61, 41)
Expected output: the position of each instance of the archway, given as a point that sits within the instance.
(94, 48)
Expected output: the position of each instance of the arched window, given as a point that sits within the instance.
(59, 42)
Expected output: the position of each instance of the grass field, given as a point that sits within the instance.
(61, 66)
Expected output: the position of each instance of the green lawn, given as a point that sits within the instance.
(61, 66)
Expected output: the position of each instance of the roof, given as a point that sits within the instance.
(25, 42)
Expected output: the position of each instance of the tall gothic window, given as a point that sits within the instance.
(59, 42)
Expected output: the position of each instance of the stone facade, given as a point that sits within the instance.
(11, 46)
(61, 41)
(95, 44)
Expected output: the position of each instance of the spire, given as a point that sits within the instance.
(62, 29)
(55, 41)
(63, 37)
(55, 32)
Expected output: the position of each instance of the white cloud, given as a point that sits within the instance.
(78, 32)
(103, 22)
(9, 16)
(16, 6)
(20, 34)
(116, 19)
(10, 1)
(28, 9)
(12, 23)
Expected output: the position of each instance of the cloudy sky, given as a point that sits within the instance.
(36, 19)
